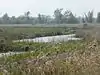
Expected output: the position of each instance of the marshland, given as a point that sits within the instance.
(49, 37)
(49, 58)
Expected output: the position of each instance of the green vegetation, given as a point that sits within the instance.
(32, 32)
(72, 58)
(42, 49)
(65, 58)
(8, 34)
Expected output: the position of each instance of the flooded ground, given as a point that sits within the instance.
(55, 39)
(59, 38)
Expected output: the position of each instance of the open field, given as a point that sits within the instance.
(32, 32)
(46, 25)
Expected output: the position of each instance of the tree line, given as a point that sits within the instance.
(59, 17)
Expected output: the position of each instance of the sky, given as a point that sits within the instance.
(47, 7)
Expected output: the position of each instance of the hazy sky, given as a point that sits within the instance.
(18, 7)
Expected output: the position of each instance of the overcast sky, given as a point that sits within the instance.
(18, 7)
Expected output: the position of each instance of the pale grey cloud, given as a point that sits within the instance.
(17, 7)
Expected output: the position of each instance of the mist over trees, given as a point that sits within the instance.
(59, 17)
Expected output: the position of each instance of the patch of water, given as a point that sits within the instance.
(59, 38)
(56, 39)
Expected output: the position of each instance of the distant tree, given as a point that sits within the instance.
(48, 19)
(27, 17)
(84, 22)
(98, 17)
(58, 16)
(12, 20)
(27, 14)
(89, 17)
(24, 19)
(5, 19)
(39, 18)
(5, 16)
(72, 19)
(43, 19)
(68, 17)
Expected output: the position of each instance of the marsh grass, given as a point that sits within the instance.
(71, 58)
(32, 32)
(51, 59)
(42, 49)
